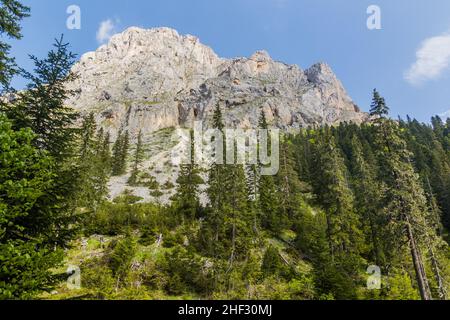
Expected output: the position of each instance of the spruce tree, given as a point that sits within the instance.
(94, 164)
(87, 161)
(403, 201)
(42, 107)
(367, 198)
(186, 199)
(269, 202)
(378, 107)
(343, 232)
(289, 185)
(333, 191)
(120, 154)
(237, 220)
(216, 178)
(138, 158)
(11, 13)
(28, 228)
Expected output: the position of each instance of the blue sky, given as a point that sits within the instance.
(293, 31)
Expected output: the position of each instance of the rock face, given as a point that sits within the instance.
(156, 80)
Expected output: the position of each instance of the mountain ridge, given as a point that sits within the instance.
(152, 79)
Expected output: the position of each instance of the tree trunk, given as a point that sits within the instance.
(418, 265)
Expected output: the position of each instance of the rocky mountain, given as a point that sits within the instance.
(156, 80)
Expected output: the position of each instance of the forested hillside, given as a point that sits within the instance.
(346, 197)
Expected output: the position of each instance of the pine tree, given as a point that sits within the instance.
(367, 196)
(216, 178)
(186, 199)
(87, 161)
(228, 222)
(334, 193)
(378, 107)
(94, 164)
(403, 200)
(27, 226)
(120, 154)
(42, 107)
(116, 165)
(237, 217)
(124, 151)
(104, 163)
(343, 232)
(138, 158)
(289, 185)
(88, 143)
(11, 13)
(269, 205)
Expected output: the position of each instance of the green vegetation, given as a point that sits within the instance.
(345, 198)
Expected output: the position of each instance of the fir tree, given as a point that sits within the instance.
(120, 154)
(11, 13)
(186, 199)
(94, 165)
(269, 205)
(27, 226)
(378, 107)
(403, 200)
(138, 158)
(367, 194)
(216, 178)
(42, 107)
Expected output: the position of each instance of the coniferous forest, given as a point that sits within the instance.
(349, 202)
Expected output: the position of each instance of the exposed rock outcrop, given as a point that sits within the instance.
(155, 80)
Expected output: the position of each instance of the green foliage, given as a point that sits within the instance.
(42, 107)
(11, 13)
(186, 201)
(94, 162)
(27, 227)
(272, 263)
(120, 154)
(121, 257)
(378, 107)
(138, 157)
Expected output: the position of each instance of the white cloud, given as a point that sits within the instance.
(445, 115)
(433, 58)
(106, 30)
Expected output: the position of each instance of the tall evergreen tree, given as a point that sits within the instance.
(120, 154)
(404, 202)
(27, 229)
(216, 178)
(94, 164)
(269, 202)
(138, 158)
(42, 107)
(378, 107)
(367, 197)
(186, 199)
(343, 233)
(11, 13)
(289, 185)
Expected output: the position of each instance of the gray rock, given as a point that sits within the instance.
(154, 80)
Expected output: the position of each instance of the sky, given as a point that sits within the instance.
(407, 60)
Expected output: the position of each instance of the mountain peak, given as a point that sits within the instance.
(156, 78)
(152, 80)
(320, 72)
(261, 56)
